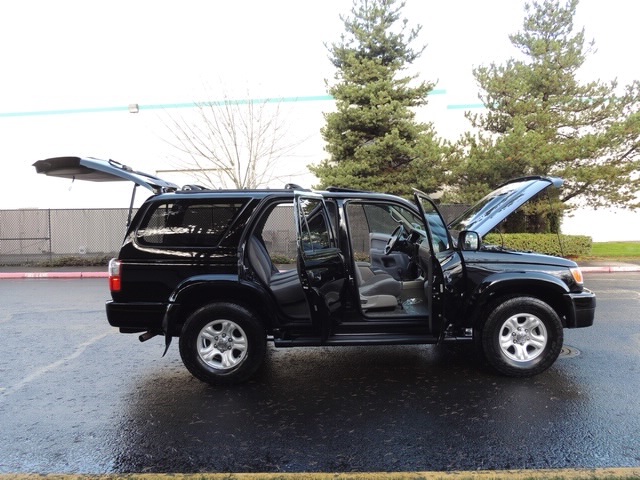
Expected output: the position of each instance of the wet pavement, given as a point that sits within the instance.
(77, 397)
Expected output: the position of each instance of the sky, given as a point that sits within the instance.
(71, 68)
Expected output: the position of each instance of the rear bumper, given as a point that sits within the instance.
(136, 317)
(581, 309)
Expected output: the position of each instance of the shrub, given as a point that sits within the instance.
(282, 259)
(547, 243)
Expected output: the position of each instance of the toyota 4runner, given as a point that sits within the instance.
(371, 269)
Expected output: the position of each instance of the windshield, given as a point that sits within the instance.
(406, 218)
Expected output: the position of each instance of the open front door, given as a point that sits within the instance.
(320, 262)
(441, 253)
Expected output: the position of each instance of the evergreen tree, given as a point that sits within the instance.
(541, 120)
(373, 139)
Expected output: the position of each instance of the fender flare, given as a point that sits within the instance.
(223, 287)
(536, 284)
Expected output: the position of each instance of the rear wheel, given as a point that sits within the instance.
(222, 343)
(522, 337)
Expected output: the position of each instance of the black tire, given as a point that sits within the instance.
(522, 337)
(222, 344)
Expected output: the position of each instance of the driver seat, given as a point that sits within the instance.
(377, 290)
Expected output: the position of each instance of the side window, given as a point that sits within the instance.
(380, 218)
(278, 232)
(439, 233)
(371, 224)
(359, 231)
(314, 228)
(188, 224)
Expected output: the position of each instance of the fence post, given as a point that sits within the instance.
(49, 233)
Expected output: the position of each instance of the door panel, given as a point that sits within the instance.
(394, 263)
(377, 241)
(437, 252)
(320, 262)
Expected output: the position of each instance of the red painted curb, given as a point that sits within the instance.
(51, 275)
(95, 275)
(24, 275)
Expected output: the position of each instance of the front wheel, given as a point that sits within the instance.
(522, 337)
(222, 343)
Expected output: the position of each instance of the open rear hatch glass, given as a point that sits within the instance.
(96, 170)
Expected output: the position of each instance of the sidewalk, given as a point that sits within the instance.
(20, 272)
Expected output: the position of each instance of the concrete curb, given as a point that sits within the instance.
(557, 474)
(49, 275)
(611, 269)
(62, 275)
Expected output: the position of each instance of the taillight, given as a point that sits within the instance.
(115, 282)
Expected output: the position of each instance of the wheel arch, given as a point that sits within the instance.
(498, 288)
(199, 291)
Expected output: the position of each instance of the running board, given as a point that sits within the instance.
(357, 339)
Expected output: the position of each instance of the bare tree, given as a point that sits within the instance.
(231, 143)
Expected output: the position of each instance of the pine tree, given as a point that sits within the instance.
(373, 139)
(540, 120)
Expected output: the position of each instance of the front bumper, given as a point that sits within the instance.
(581, 309)
(136, 317)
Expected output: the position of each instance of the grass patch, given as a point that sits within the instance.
(620, 250)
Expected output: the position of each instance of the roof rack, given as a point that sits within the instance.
(346, 190)
(295, 186)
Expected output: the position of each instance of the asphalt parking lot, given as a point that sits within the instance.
(77, 397)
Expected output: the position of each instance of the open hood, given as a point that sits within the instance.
(96, 170)
(500, 203)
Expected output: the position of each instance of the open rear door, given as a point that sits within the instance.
(320, 262)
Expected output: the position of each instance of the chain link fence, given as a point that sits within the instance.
(37, 236)
(86, 235)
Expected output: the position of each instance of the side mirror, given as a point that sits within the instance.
(468, 240)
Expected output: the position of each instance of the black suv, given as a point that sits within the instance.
(371, 269)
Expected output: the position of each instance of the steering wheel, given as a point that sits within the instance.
(397, 233)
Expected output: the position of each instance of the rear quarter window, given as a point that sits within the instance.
(188, 224)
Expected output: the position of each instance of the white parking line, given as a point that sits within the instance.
(8, 391)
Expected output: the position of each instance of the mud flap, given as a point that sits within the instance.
(165, 328)
(167, 343)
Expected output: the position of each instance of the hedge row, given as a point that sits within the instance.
(547, 243)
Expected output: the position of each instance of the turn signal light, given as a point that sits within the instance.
(577, 275)
(115, 283)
